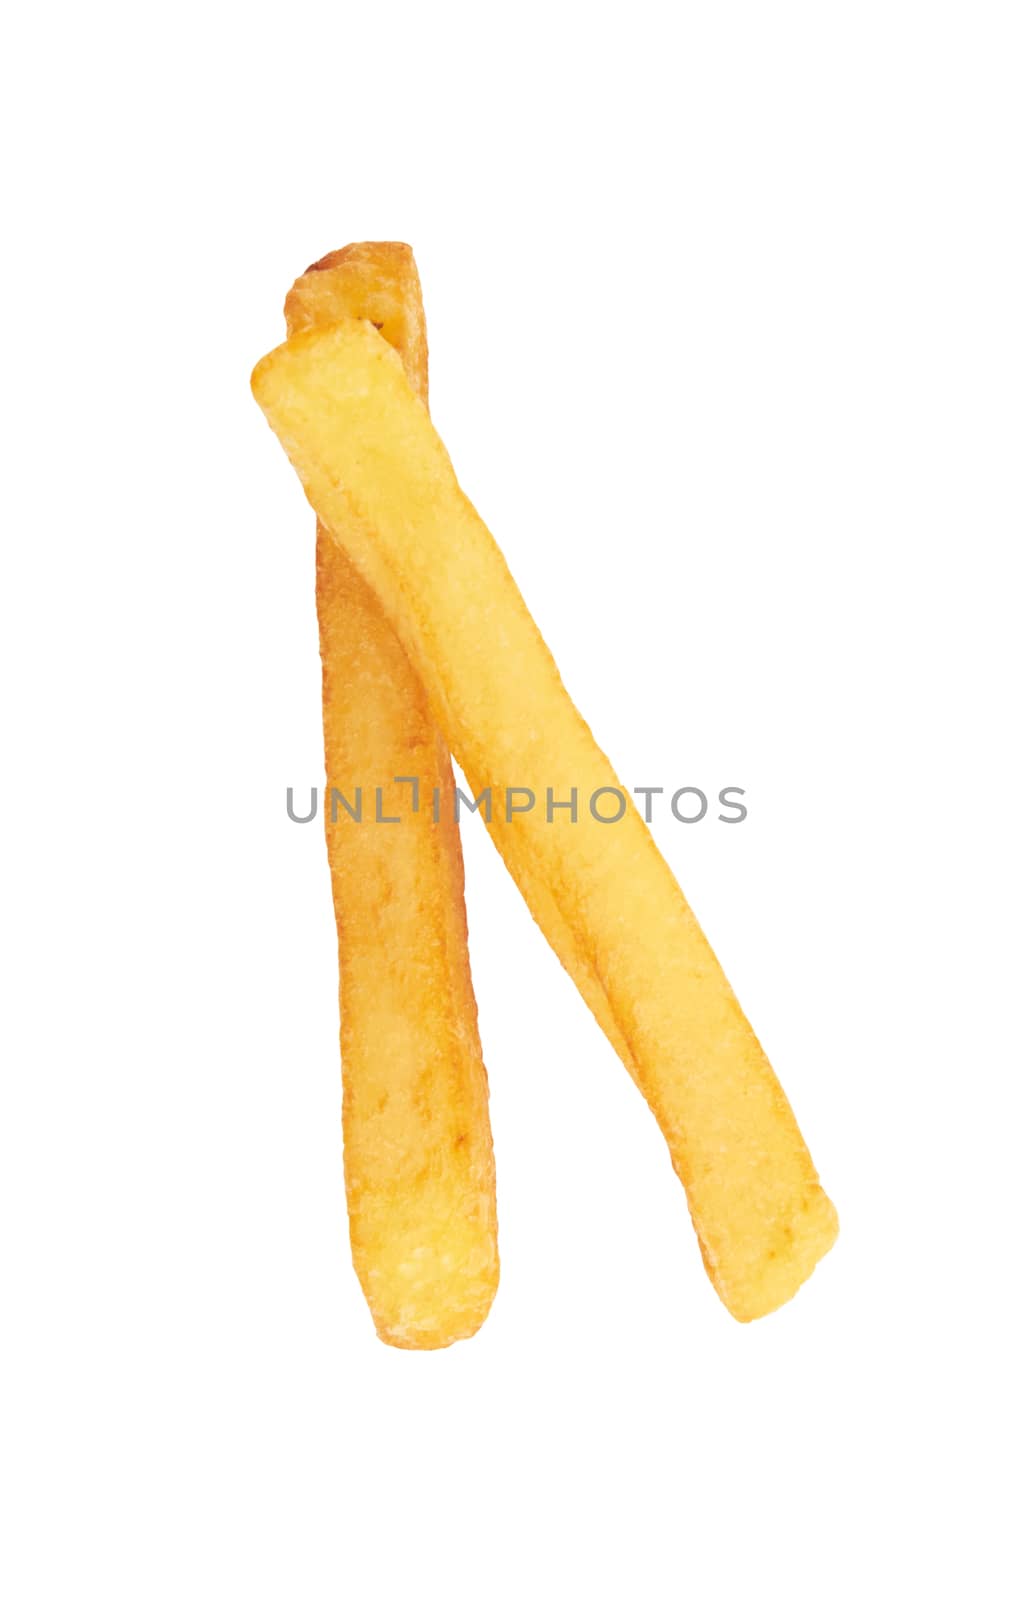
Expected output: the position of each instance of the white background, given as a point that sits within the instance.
(726, 316)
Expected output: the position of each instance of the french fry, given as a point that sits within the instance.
(380, 479)
(379, 283)
(419, 1169)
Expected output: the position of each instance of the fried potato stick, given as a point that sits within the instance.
(419, 1169)
(378, 475)
(379, 283)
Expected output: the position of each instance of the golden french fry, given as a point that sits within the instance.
(379, 477)
(379, 283)
(419, 1169)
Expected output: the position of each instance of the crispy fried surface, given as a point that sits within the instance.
(378, 282)
(346, 415)
(419, 1169)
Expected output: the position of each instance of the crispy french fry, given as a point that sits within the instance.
(380, 479)
(379, 283)
(419, 1169)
